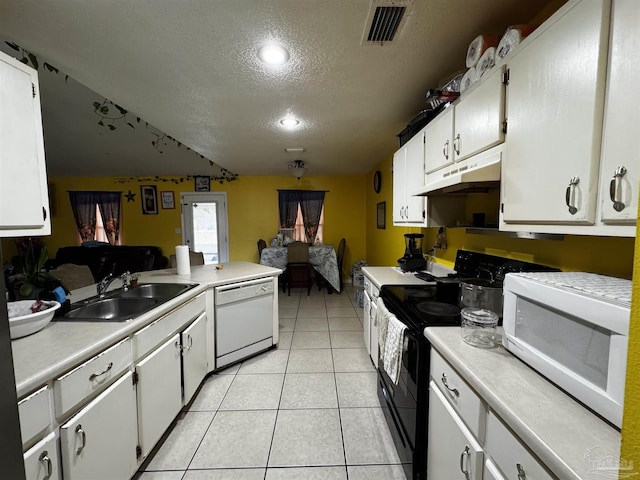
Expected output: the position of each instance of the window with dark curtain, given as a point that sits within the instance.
(311, 207)
(310, 203)
(288, 205)
(83, 205)
(109, 205)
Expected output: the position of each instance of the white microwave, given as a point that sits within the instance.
(573, 328)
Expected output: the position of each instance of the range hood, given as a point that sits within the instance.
(476, 174)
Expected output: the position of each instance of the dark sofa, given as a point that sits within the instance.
(105, 259)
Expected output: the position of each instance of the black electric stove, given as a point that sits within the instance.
(434, 303)
(405, 403)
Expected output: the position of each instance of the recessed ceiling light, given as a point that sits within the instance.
(290, 121)
(273, 54)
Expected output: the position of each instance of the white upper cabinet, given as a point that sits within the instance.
(472, 125)
(619, 177)
(24, 203)
(555, 99)
(408, 176)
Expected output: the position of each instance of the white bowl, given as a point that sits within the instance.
(22, 322)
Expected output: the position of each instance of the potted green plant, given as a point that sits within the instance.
(31, 278)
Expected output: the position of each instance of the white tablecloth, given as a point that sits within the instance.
(322, 258)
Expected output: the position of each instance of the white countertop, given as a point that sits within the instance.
(394, 276)
(560, 431)
(61, 345)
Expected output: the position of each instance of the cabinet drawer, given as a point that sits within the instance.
(35, 415)
(41, 461)
(512, 458)
(463, 399)
(91, 377)
(155, 333)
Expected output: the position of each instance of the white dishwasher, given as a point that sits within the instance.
(244, 320)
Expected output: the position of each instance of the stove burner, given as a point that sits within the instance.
(423, 293)
(438, 309)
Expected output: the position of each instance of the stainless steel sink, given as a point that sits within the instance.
(122, 305)
(113, 309)
(156, 290)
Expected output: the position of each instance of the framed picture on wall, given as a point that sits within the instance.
(167, 200)
(381, 213)
(202, 184)
(149, 196)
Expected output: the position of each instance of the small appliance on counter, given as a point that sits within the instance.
(413, 260)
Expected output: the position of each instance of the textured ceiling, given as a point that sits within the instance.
(188, 68)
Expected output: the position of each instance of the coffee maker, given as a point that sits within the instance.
(413, 260)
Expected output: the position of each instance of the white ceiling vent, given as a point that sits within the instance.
(384, 21)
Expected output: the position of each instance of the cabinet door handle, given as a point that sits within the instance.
(452, 390)
(615, 188)
(93, 376)
(83, 437)
(568, 194)
(456, 144)
(44, 458)
(522, 475)
(178, 346)
(445, 150)
(189, 342)
(464, 455)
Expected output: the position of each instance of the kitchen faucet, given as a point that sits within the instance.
(103, 284)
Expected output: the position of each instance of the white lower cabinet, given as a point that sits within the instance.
(41, 462)
(371, 293)
(453, 451)
(491, 472)
(159, 392)
(99, 442)
(511, 457)
(194, 357)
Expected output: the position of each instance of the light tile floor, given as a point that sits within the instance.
(306, 410)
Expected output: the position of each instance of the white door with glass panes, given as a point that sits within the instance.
(205, 225)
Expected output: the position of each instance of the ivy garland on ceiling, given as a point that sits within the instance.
(109, 113)
(226, 175)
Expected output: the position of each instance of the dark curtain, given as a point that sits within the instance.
(109, 203)
(311, 207)
(288, 205)
(83, 205)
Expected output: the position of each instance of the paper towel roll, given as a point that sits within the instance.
(511, 38)
(182, 260)
(478, 46)
(486, 62)
(468, 79)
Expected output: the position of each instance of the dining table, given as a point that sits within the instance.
(322, 258)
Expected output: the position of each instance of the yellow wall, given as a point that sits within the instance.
(252, 209)
(631, 417)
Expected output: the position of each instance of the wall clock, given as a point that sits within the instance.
(377, 181)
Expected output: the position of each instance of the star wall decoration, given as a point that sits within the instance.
(131, 197)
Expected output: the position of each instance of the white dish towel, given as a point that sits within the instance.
(393, 349)
(390, 340)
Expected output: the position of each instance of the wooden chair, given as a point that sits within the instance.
(340, 259)
(299, 270)
(195, 258)
(262, 244)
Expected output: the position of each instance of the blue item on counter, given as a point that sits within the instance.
(59, 294)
